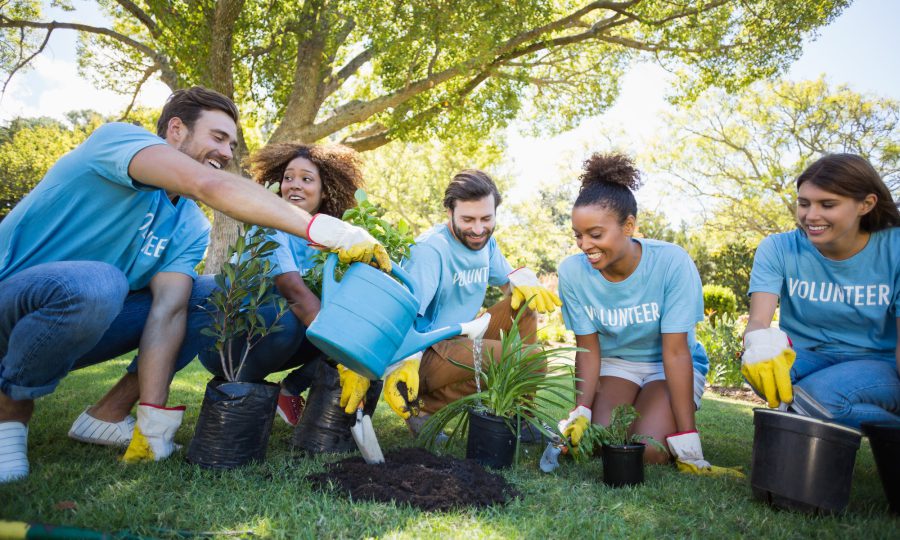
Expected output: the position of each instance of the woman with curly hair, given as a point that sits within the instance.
(319, 179)
(633, 304)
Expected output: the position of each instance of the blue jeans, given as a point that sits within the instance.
(60, 316)
(278, 351)
(847, 389)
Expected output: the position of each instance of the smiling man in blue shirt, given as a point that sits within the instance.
(100, 257)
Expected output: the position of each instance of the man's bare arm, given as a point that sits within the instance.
(163, 335)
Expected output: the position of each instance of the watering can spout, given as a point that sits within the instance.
(418, 341)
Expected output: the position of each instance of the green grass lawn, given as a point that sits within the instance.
(272, 500)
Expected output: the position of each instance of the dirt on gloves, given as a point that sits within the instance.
(416, 477)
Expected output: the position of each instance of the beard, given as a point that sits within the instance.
(470, 240)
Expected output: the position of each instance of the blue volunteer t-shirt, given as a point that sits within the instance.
(87, 208)
(847, 307)
(450, 279)
(293, 253)
(662, 296)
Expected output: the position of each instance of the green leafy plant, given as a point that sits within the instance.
(615, 434)
(723, 344)
(244, 287)
(520, 386)
(396, 240)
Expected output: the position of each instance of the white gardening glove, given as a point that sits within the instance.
(407, 372)
(154, 433)
(576, 424)
(476, 329)
(766, 364)
(689, 456)
(526, 287)
(350, 242)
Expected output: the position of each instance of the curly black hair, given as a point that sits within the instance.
(608, 180)
(340, 168)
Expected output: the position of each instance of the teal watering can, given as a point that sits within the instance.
(367, 320)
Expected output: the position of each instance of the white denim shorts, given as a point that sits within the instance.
(641, 373)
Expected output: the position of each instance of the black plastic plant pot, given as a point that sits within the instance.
(802, 463)
(623, 465)
(234, 424)
(885, 442)
(491, 442)
(324, 427)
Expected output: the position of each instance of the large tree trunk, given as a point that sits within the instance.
(224, 229)
(220, 77)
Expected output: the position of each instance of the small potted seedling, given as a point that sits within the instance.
(518, 388)
(236, 417)
(623, 452)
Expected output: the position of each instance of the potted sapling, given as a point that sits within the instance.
(236, 416)
(514, 389)
(622, 452)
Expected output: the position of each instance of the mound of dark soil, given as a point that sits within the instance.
(419, 478)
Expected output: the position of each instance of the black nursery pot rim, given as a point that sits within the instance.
(630, 447)
(484, 412)
(222, 380)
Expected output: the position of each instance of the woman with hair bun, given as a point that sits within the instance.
(319, 179)
(837, 277)
(633, 304)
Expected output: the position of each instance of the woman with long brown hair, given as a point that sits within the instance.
(837, 279)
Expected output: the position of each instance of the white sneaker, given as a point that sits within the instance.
(88, 429)
(13, 451)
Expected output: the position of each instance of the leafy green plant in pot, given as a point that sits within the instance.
(518, 388)
(623, 452)
(236, 416)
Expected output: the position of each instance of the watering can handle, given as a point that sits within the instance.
(404, 278)
(328, 280)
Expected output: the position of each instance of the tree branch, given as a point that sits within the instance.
(6, 22)
(144, 78)
(142, 16)
(336, 80)
(25, 62)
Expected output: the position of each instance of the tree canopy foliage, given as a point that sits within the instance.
(372, 71)
(742, 153)
(408, 179)
(367, 72)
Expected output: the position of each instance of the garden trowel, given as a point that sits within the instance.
(550, 457)
(364, 435)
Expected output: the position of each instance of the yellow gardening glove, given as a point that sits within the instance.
(406, 371)
(766, 364)
(712, 470)
(573, 427)
(689, 456)
(353, 389)
(526, 287)
(350, 242)
(154, 433)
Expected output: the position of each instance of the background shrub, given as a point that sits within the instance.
(723, 343)
(718, 302)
